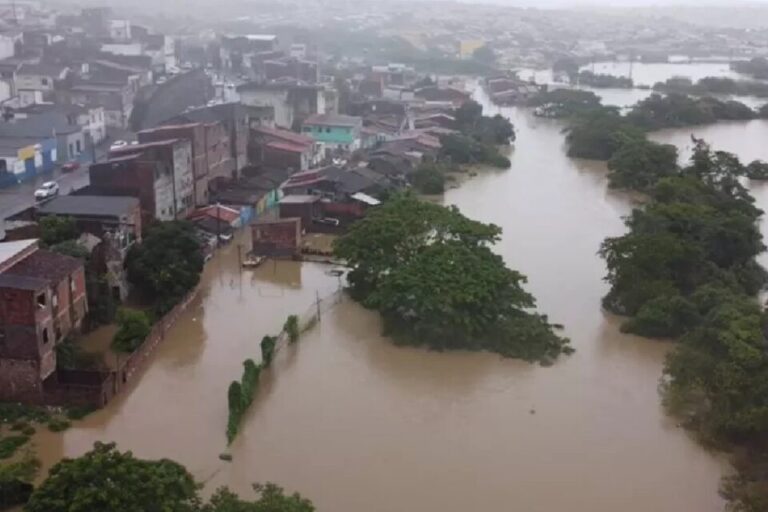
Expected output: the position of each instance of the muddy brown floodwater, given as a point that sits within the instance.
(356, 423)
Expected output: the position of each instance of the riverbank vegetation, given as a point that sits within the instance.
(713, 85)
(127, 484)
(687, 269)
(756, 67)
(602, 81)
(478, 139)
(565, 103)
(430, 272)
(167, 265)
(430, 178)
(600, 132)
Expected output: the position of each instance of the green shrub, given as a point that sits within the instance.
(291, 328)
(134, 328)
(58, 425)
(9, 445)
(268, 350)
(10, 413)
(235, 402)
(250, 382)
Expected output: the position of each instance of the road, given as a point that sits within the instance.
(20, 197)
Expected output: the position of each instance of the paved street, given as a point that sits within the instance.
(19, 197)
(16, 198)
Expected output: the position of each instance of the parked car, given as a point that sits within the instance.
(47, 190)
(328, 221)
(70, 166)
(117, 145)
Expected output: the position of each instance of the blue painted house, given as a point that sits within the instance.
(335, 132)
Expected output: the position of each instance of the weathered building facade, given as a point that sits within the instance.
(42, 301)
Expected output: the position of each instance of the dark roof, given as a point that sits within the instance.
(211, 225)
(91, 206)
(44, 266)
(39, 125)
(293, 85)
(42, 69)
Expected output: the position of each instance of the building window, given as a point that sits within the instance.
(71, 150)
(45, 335)
(327, 130)
(72, 286)
(79, 148)
(44, 81)
(58, 333)
(41, 301)
(55, 300)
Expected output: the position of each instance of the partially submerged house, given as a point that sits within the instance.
(42, 300)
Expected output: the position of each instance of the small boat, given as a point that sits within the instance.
(253, 261)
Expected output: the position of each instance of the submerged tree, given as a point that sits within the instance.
(430, 272)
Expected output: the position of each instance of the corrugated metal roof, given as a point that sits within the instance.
(10, 249)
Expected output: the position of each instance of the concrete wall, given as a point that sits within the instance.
(170, 99)
(184, 181)
(277, 99)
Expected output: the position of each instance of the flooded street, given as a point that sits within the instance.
(355, 423)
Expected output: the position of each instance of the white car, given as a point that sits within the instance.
(117, 145)
(47, 190)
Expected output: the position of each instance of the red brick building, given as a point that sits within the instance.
(42, 300)
(133, 176)
(212, 156)
(276, 238)
(166, 192)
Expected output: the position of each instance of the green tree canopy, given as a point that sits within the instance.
(107, 479)
(429, 178)
(271, 498)
(430, 272)
(700, 227)
(133, 327)
(55, 230)
(639, 164)
(167, 264)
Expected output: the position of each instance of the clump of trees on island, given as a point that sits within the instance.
(756, 67)
(107, 479)
(599, 132)
(432, 275)
(602, 81)
(687, 268)
(713, 85)
(477, 141)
